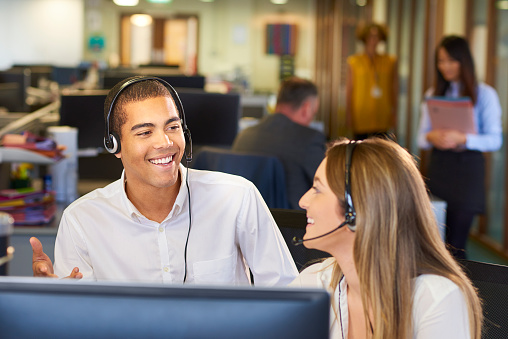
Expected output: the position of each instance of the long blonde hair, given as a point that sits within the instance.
(397, 237)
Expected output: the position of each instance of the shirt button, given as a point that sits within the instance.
(166, 269)
(161, 229)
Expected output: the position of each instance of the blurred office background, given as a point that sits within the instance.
(244, 48)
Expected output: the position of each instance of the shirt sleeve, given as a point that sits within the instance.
(424, 127)
(70, 250)
(262, 244)
(489, 137)
(441, 312)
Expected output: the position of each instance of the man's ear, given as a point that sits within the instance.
(306, 108)
(119, 155)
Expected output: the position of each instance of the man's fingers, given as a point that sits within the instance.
(41, 264)
(41, 269)
(36, 246)
(75, 274)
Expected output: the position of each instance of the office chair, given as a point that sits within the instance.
(292, 223)
(265, 172)
(492, 283)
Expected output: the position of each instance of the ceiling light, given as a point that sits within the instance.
(279, 2)
(502, 4)
(160, 1)
(126, 2)
(141, 20)
(206, 0)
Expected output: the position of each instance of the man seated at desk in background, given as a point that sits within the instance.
(287, 135)
(162, 222)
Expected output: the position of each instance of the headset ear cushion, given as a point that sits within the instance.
(352, 228)
(113, 144)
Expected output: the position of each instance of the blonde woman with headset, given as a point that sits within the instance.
(390, 275)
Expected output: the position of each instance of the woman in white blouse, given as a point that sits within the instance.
(390, 275)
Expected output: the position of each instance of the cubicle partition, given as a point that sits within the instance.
(21, 78)
(110, 79)
(10, 98)
(37, 72)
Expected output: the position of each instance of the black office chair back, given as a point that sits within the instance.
(292, 223)
(492, 283)
(266, 172)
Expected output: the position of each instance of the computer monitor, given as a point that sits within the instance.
(211, 117)
(191, 81)
(43, 308)
(86, 113)
(67, 75)
(10, 97)
(37, 72)
(23, 78)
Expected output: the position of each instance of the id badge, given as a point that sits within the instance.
(376, 92)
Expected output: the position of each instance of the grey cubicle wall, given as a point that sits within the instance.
(21, 77)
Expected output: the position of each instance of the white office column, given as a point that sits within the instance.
(65, 172)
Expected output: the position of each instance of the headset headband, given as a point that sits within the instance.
(350, 211)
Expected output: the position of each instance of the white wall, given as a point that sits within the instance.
(41, 32)
(454, 17)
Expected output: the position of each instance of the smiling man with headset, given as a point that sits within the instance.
(162, 222)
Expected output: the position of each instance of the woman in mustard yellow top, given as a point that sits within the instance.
(372, 87)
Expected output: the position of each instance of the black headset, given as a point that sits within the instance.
(112, 141)
(350, 217)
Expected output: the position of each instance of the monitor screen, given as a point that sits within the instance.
(10, 97)
(86, 113)
(193, 81)
(43, 308)
(211, 117)
(22, 79)
(67, 75)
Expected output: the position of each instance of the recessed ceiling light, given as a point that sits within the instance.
(141, 20)
(502, 4)
(279, 2)
(126, 2)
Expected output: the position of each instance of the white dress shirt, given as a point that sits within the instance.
(232, 230)
(439, 307)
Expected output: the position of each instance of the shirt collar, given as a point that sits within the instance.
(454, 89)
(133, 212)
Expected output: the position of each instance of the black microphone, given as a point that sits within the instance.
(298, 241)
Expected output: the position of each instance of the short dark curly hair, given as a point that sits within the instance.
(362, 32)
(138, 91)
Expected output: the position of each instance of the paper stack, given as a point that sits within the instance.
(27, 206)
